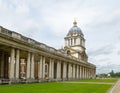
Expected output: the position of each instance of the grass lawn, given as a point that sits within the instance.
(107, 80)
(56, 87)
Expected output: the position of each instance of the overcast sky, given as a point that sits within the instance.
(48, 21)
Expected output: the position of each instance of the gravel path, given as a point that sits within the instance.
(115, 88)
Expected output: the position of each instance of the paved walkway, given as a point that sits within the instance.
(115, 88)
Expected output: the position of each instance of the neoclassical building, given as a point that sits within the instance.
(24, 60)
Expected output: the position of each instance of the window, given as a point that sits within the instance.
(81, 42)
(68, 52)
(74, 41)
(71, 42)
(68, 42)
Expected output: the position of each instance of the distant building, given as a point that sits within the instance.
(25, 60)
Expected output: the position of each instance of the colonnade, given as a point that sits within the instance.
(38, 67)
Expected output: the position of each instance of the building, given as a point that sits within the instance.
(24, 60)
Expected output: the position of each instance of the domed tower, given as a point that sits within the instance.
(75, 43)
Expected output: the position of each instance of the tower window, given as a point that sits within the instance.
(68, 42)
(81, 42)
(74, 41)
(71, 41)
(68, 52)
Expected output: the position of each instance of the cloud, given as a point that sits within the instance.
(104, 50)
(118, 52)
(49, 21)
(108, 68)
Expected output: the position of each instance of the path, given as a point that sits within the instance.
(89, 82)
(116, 87)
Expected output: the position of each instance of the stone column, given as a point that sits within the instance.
(58, 70)
(64, 70)
(85, 72)
(77, 71)
(80, 72)
(50, 71)
(32, 66)
(17, 63)
(52, 68)
(38, 69)
(43, 73)
(89, 73)
(73, 71)
(41, 68)
(87, 69)
(12, 61)
(2, 65)
(94, 72)
(69, 71)
(28, 66)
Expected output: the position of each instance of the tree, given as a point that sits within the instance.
(112, 73)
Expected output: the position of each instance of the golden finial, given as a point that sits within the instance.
(75, 22)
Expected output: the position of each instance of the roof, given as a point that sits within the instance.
(75, 30)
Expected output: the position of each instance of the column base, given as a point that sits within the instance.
(64, 79)
(30, 81)
(59, 79)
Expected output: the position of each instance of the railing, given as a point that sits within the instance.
(16, 35)
(5, 31)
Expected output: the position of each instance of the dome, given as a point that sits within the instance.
(75, 30)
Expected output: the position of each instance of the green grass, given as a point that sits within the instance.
(107, 80)
(57, 87)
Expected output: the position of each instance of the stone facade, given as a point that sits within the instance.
(24, 60)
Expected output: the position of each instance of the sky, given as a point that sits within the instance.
(48, 21)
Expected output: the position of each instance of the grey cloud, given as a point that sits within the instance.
(105, 50)
(108, 68)
(104, 60)
(118, 53)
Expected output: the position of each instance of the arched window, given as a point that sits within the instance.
(68, 52)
